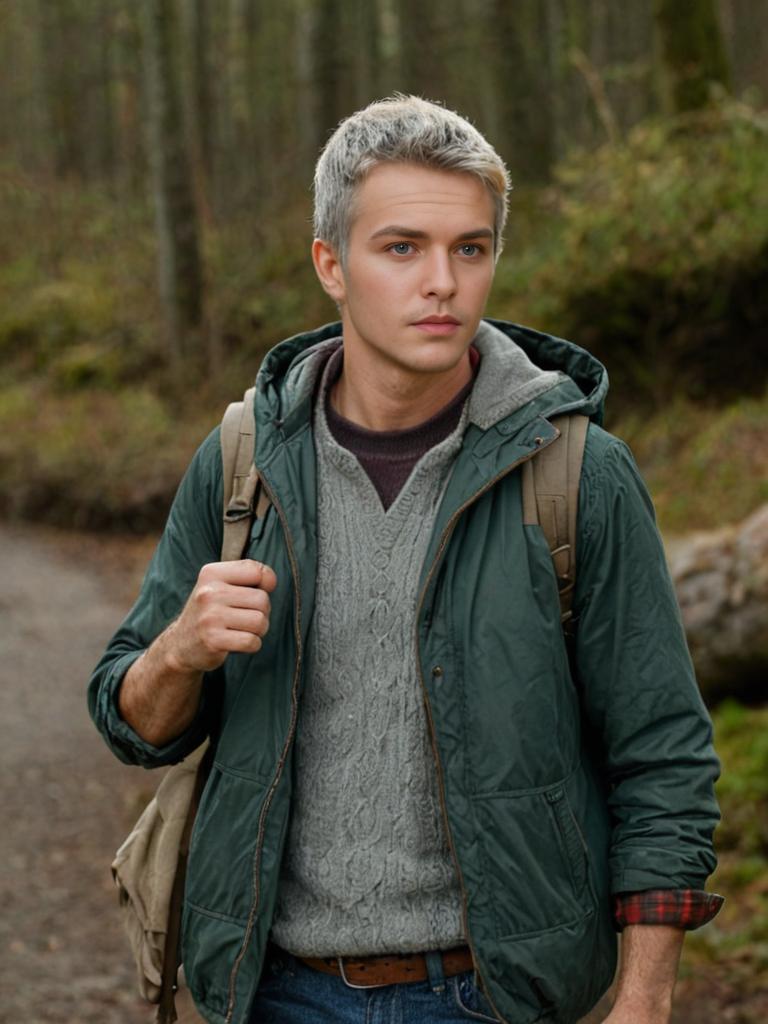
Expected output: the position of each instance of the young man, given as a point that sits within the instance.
(417, 811)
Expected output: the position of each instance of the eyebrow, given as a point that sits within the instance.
(396, 229)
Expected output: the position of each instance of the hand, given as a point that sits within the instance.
(227, 611)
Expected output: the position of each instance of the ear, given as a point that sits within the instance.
(329, 270)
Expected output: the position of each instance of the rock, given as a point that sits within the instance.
(721, 578)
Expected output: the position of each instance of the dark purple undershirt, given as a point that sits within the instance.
(388, 456)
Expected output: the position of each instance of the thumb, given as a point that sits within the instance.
(267, 577)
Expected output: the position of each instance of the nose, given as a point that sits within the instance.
(439, 279)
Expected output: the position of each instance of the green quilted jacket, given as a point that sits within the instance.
(563, 779)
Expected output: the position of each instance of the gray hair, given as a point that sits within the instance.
(400, 129)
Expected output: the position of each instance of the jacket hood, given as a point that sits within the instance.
(583, 380)
(519, 367)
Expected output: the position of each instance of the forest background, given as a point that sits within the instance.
(155, 164)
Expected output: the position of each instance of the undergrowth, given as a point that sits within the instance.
(705, 465)
(653, 252)
(737, 939)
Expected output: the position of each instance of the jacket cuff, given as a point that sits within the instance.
(126, 743)
(680, 908)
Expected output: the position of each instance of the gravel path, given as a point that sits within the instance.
(66, 801)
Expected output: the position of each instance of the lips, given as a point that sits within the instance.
(440, 326)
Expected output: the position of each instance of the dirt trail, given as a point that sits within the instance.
(66, 802)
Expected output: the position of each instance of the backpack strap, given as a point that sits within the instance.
(169, 986)
(244, 497)
(551, 500)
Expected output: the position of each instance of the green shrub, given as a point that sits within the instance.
(653, 254)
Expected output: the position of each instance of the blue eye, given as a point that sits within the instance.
(401, 248)
(470, 249)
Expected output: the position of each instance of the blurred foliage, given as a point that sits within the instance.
(737, 939)
(90, 458)
(653, 254)
(704, 465)
(95, 432)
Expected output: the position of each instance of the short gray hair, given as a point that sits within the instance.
(400, 129)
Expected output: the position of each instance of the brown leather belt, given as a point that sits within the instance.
(394, 969)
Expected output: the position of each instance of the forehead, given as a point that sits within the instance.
(409, 194)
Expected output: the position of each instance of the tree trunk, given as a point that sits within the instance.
(524, 84)
(59, 74)
(180, 268)
(692, 50)
(131, 158)
(721, 578)
(745, 28)
(364, 45)
(421, 41)
(331, 72)
(197, 92)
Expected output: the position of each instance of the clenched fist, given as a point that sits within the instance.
(228, 610)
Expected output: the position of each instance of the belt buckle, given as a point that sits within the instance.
(348, 983)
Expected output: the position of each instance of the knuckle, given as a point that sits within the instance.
(206, 621)
(207, 572)
(251, 643)
(207, 592)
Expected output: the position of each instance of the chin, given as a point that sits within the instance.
(438, 362)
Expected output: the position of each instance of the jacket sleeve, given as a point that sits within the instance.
(641, 700)
(192, 537)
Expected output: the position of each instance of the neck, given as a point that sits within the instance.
(395, 400)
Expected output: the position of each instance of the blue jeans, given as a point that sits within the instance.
(292, 993)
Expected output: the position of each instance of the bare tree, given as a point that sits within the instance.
(180, 268)
(693, 51)
(525, 84)
(198, 95)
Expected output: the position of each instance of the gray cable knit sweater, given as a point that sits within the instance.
(367, 868)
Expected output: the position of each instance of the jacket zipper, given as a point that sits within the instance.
(446, 536)
(280, 765)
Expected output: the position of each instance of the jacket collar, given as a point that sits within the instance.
(525, 378)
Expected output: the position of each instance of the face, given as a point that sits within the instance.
(418, 270)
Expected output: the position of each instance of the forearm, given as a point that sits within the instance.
(649, 961)
(159, 697)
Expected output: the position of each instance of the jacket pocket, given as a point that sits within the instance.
(220, 870)
(573, 844)
(536, 865)
(556, 975)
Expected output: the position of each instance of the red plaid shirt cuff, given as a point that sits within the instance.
(681, 908)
